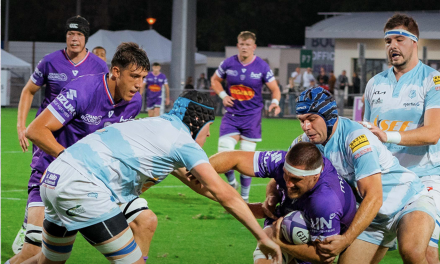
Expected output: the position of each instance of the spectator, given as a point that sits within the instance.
(331, 82)
(189, 83)
(356, 83)
(322, 77)
(202, 83)
(100, 52)
(295, 85)
(307, 76)
(284, 92)
(341, 83)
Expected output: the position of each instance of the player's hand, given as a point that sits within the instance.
(376, 131)
(332, 246)
(276, 231)
(269, 206)
(269, 248)
(167, 101)
(276, 107)
(228, 101)
(24, 142)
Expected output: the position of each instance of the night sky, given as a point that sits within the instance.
(280, 22)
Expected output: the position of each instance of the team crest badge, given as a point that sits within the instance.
(412, 94)
(242, 77)
(75, 72)
(243, 70)
(110, 113)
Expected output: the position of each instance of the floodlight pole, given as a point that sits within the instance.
(6, 43)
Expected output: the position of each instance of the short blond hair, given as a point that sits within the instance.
(247, 35)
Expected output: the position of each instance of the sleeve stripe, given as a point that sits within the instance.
(218, 74)
(271, 79)
(256, 156)
(56, 114)
(198, 163)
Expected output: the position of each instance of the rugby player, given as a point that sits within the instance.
(392, 200)
(154, 82)
(304, 181)
(100, 52)
(86, 104)
(402, 106)
(55, 70)
(245, 75)
(115, 165)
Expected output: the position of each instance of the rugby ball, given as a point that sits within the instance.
(294, 228)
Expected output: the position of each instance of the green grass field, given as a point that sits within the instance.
(191, 228)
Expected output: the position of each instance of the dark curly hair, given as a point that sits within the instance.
(129, 53)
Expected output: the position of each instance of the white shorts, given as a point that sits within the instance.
(72, 200)
(432, 183)
(383, 232)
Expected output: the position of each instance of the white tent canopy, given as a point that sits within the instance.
(157, 47)
(9, 61)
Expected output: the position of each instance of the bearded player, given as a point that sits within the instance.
(245, 75)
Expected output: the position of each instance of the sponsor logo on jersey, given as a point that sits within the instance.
(91, 120)
(362, 152)
(93, 194)
(73, 25)
(241, 92)
(75, 72)
(276, 156)
(269, 75)
(38, 72)
(436, 80)
(124, 120)
(67, 106)
(299, 138)
(359, 142)
(110, 113)
(150, 182)
(411, 104)
(71, 94)
(51, 179)
(391, 125)
(232, 72)
(256, 75)
(377, 101)
(412, 94)
(79, 209)
(154, 88)
(320, 223)
(160, 80)
(379, 92)
(61, 77)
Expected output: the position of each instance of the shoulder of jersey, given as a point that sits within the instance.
(89, 80)
(97, 59)
(54, 55)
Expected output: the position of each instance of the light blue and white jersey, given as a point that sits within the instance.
(130, 157)
(357, 153)
(400, 106)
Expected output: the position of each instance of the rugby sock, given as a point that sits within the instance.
(245, 186)
(231, 177)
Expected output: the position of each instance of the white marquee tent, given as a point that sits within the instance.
(157, 47)
(9, 61)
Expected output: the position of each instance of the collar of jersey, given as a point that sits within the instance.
(107, 90)
(403, 79)
(244, 65)
(71, 62)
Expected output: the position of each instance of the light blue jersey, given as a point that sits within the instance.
(133, 156)
(400, 106)
(356, 153)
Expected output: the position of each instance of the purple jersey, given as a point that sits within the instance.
(56, 70)
(245, 82)
(84, 106)
(154, 85)
(329, 206)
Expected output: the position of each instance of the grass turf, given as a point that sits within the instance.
(191, 228)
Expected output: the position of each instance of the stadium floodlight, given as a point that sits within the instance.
(151, 21)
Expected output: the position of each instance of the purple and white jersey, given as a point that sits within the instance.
(329, 206)
(84, 106)
(56, 70)
(154, 84)
(244, 83)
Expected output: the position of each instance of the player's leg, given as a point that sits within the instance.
(259, 257)
(433, 185)
(17, 245)
(415, 228)
(362, 252)
(150, 107)
(114, 239)
(245, 181)
(142, 221)
(229, 136)
(157, 111)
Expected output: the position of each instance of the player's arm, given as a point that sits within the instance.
(276, 96)
(167, 94)
(27, 95)
(216, 84)
(40, 132)
(192, 182)
(234, 204)
(241, 161)
(370, 188)
(272, 199)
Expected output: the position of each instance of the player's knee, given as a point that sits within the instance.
(432, 255)
(226, 144)
(145, 222)
(33, 235)
(248, 145)
(412, 253)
